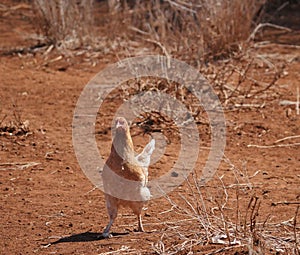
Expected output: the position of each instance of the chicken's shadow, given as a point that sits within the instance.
(84, 237)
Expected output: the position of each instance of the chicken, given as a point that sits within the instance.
(125, 175)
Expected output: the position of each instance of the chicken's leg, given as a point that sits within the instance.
(140, 224)
(137, 208)
(112, 209)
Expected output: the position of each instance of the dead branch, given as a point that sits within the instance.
(163, 49)
(295, 230)
(287, 138)
(272, 146)
(286, 203)
(274, 80)
(298, 102)
(261, 25)
(17, 165)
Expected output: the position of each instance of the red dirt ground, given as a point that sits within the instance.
(52, 208)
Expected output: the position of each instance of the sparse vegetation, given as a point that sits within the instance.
(251, 209)
(196, 30)
(226, 213)
(13, 124)
(66, 24)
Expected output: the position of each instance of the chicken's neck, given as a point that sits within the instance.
(122, 146)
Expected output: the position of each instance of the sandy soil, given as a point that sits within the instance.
(48, 206)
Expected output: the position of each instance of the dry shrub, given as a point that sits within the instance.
(225, 24)
(228, 217)
(13, 123)
(189, 30)
(245, 81)
(65, 23)
(199, 28)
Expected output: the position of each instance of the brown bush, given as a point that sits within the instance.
(202, 28)
(65, 22)
(190, 30)
(225, 24)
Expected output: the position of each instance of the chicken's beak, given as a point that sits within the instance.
(120, 125)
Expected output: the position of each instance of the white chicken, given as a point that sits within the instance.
(125, 175)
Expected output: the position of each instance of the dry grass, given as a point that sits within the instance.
(227, 25)
(191, 30)
(246, 81)
(196, 29)
(228, 217)
(65, 23)
(13, 123)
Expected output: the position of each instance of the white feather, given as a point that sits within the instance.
(145, 156)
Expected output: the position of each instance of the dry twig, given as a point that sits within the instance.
(272, 146)
(295, 230)
(17, 165)
(287, 138)
(261, 25)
